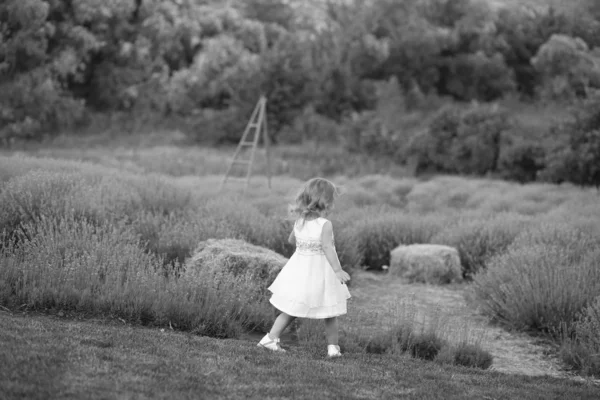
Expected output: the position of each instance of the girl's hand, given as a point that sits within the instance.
(342, 276)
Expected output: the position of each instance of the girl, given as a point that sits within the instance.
(312, 284)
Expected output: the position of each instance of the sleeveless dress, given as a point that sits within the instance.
(307, 287)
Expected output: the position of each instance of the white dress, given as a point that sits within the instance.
(307, 287)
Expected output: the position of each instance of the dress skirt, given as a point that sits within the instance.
(307, 287)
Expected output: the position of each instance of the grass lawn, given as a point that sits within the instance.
(44, 357)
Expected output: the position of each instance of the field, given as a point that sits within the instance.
(99, 236)
(45, 357)
(126, 271)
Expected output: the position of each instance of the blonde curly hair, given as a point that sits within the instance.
(316, 198)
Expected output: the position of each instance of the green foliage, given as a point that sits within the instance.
(426, 346)
(480, 239)
(33, 101)
(309, 127)
(521, 161)
(236, 267)
(472, 356)
(370, 239)
(202, 66)
(269, 11)
(582, 352)
(64, 211)
(73, 265)
(465, 141)
(519, 37)
(479, 77)
(543, 280)
(368, 134)
(576, 156)
(290, 81)
(567, 67)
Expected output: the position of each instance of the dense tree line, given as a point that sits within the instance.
(64, 61)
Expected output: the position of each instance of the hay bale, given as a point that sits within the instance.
(427, 263)
(235, 265)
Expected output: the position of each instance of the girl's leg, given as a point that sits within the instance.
(331, 329)
(281, 322)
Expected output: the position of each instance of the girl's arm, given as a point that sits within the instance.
(329, 247)
(292, 238)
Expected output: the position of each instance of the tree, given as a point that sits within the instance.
(39, 58)
(567, 67)
(465, 141)
(576, 156)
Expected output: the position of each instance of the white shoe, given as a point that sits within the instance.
(333, 351)
(271, 344)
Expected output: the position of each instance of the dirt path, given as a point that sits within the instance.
(378, 302)
(389, 299)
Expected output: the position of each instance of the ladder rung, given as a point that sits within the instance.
(253, 125)
(246, 143)
(240, 162)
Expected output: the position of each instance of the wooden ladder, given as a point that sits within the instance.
(250, 138)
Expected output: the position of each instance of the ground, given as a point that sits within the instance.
(64, 356)
(514, 352)
(47, 357)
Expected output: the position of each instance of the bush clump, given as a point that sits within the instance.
(478, 240)
(425, 346)
(463, 141)
(521, 161)
(582, 351)
(543, 280)
(234, 266)
(567, 67)
(465, 354)
(369, 240)
(575, 156)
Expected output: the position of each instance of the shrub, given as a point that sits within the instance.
(567, 67)
(103, 270)
(277, 12)
(544, 279)
(368, 241)
(369, 135)
(74, 264)
(241, 268)
(442, 194)
(376, 189)
(311, 127)
(465, 141)
(35, 194)
(519, 36)
(576, 156)
(521, 161)
(170, 237)
(470, 355)
(425, 346)
(403, 339)
(235, 218)
(478, 76)
(527, 200)
(478, 240)
(158, 195)
(379, 344)
(583, 351)
(99, 196)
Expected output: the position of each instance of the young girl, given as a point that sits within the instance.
(312, 284)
